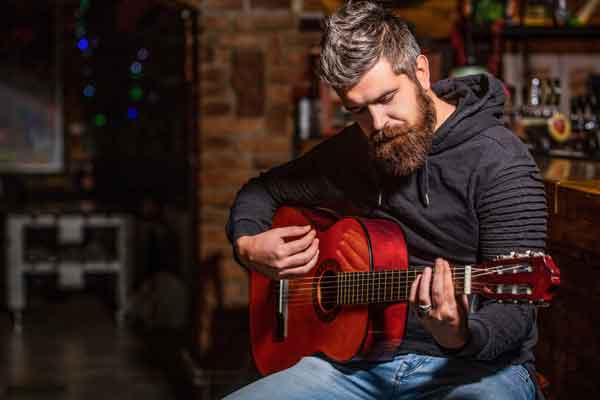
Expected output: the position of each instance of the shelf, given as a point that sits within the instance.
(541, 32)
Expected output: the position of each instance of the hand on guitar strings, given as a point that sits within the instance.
(442, 312)
(280, 253)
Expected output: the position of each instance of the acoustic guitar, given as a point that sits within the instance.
(353, 303)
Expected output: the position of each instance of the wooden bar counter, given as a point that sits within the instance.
(568, 351)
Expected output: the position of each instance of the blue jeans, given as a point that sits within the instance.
(407, 376)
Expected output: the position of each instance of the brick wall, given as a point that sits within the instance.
(252, 54)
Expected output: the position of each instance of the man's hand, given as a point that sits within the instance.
(447, 319)
(272, 255)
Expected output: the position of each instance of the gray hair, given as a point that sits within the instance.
(356, 37)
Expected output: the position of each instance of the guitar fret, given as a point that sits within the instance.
(366, 287)
(406, 284)
(399, 285)
(384, 284)
(348, 288)
(354, 289)
(357, 277)
(360, 293)
(357, 285)
(371, 288)
(360, 288)
(363, 288)
(380, 294)
(337, 279)
(392, 286)
(344, 288)
(378, 285)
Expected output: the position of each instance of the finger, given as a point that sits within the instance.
(414, 288)
(296, 246)
(425, 287)
(300, 259)
(300, 271)
(287, 231)
(437, 287)
(449, 284)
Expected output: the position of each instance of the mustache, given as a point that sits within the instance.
(388, 133)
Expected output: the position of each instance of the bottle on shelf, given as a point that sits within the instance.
(308, 108)
(561, 13)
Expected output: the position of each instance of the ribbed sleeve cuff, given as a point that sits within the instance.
(478, 339)
(243, 227)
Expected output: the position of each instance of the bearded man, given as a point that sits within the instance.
(437, 160)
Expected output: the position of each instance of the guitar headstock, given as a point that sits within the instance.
(518, 278)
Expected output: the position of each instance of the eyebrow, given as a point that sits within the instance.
(359, 106)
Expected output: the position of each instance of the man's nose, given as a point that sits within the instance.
(378, 118)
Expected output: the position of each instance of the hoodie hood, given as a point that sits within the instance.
(479, 101)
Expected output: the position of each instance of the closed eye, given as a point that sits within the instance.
(357, 110)
(386, 99)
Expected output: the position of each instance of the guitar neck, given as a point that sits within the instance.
(389, 286)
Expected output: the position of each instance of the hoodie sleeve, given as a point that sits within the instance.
(311, 180)
(511, 207)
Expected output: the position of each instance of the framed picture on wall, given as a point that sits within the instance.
(31, 123)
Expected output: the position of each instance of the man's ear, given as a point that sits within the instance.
(422, 72)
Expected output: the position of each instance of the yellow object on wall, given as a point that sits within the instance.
(432, 18)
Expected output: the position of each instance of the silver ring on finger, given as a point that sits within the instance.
(423, 310)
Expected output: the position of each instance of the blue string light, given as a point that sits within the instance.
(83, 44)
(136, 68)
(89, 90)
(132, 113)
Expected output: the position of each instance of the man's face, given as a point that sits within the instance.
(396, 115)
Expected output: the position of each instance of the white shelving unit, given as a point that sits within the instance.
(70, 274)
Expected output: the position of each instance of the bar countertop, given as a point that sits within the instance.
(567, 171)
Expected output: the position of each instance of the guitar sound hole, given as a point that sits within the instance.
(328, 291)
(324, 293)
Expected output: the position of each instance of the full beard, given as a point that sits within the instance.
(400, 150)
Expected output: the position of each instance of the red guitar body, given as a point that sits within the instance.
(341, 332)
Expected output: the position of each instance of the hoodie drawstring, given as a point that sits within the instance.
(424, 184)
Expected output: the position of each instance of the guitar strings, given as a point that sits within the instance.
(382, 275)
(475, 273)
(371, 285)
(361, 291)
(357, 299)
(296, 294)
(358, 288)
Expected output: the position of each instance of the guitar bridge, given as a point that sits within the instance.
(281, 316)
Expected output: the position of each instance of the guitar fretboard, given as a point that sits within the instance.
(380, 286)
